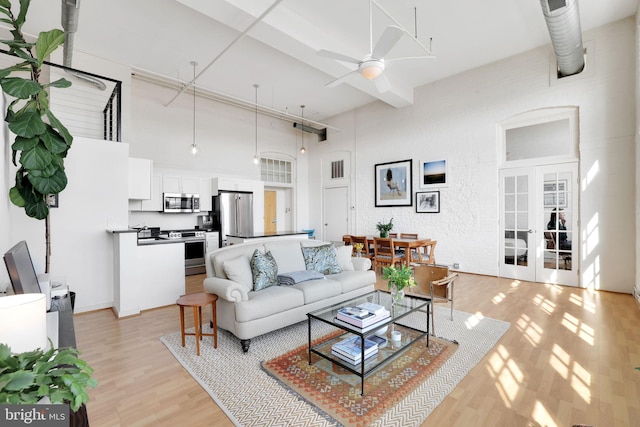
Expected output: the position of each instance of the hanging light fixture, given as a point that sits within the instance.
(302, 149)
(256, 158)
(194, 147)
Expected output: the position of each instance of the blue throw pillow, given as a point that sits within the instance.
(264, 270)
(321, 259)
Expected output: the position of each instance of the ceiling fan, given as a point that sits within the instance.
(372, 65)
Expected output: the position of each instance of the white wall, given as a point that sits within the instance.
(455, 119)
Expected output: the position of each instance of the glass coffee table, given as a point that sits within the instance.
(410, 304)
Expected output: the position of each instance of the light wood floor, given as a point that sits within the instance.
(568, 358)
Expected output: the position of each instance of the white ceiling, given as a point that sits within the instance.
(279, 53)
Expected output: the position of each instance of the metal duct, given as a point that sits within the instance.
(69, 21)
(563, 23)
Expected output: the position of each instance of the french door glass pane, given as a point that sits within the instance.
(558, 212)
(516, 219)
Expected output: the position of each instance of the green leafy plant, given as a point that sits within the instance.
(385, 227)
(57, 373)
(400, 277)
(42, 142)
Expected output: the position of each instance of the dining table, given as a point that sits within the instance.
(398, 242)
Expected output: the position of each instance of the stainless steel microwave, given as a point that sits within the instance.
(179, 203)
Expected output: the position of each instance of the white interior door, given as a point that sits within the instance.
(336, 213)
(539, 222)
(517, 219)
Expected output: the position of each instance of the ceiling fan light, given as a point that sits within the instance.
(371, 69)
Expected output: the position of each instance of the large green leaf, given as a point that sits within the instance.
(46, 172)
(53, 141)
(27, 124)
(48, 41)
(24, 8)
(36, 158)
(5, 3)
(53, 184)
(19, 87)
(64, 133)
(37, 210)
(60, 83)
(16, 198)
(23, 144)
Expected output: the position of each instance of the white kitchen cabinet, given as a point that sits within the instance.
(205, 195)
(212, 241)
(154, 204)
(180, 184)
(140, 172)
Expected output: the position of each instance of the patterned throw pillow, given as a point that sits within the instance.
(321, 259)
(264, 270)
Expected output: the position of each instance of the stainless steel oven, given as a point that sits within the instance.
(194, 256)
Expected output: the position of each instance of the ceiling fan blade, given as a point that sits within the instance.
(387, 41)
(382, 83)
(337, 56)
(340, 79)
(409, 58)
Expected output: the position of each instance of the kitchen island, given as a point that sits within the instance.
(145, 275)
(234, 239)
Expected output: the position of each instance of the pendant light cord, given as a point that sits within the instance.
(194, 148)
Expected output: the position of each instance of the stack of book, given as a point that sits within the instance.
(350, 349)
(364, 316)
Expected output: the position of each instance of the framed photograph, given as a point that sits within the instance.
(553, 191)
(428, 202)
(52, 200)
(393, 183)
(433, 173)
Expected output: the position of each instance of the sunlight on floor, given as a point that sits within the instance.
(506, 374)
(498, 298)
(546, 305)
(582, 302)
(578, 376)
(531, 331)
(542, 416)
(473, 321)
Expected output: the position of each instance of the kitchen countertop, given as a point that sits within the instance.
(261, 235)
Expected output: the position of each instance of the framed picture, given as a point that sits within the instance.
(433, 174)
(428, 201)
(52, 200)
(551, 191)
(393, 183)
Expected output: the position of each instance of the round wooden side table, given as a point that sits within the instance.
(197, 301)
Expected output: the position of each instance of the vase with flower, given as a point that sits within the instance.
(385, 227)
(358, 248)
(399, 279)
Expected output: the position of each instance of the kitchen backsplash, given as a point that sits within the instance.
(165, 221)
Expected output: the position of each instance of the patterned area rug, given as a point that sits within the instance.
(337, 392)
(251, 397)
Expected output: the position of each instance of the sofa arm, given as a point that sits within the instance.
(361, 264)
(226, 289)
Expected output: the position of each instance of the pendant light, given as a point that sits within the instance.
(256, 158)
(302, 149)
(194, 147)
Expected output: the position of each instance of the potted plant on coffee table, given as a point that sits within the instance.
(399, 279)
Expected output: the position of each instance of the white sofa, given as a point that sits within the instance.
(248, 313)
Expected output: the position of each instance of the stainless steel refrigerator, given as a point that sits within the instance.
(233, 214)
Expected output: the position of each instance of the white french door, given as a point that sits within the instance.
(539, 223)
(335, 213)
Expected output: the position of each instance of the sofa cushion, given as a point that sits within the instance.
(230, 252)
(239, 270)
(288, 256)
(317, 290)
(264, 270)
(269, 301)
(352, 280)
(321, 259)
(343, 255)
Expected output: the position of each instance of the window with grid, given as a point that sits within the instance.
(276, 171)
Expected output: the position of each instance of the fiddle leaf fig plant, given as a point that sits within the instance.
(42, 142)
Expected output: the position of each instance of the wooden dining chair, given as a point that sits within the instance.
(408, 235)
(437, 282)
(393, 235)
(425, 254)
(365, 245)
(384, 253)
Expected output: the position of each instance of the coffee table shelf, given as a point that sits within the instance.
(409, 304)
